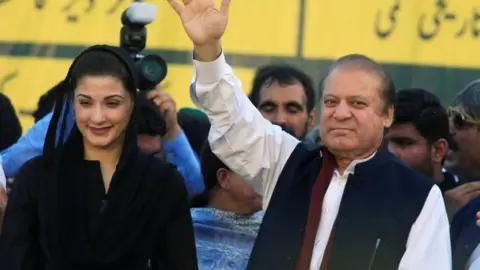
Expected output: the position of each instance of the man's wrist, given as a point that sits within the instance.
(207, 52)
(172, 133)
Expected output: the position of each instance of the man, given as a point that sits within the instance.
(384, 215)
(465, 125)
(419, 135)
(226, 216)
(465, 161)
(285, 96)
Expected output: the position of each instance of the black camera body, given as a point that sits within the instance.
(152, 69)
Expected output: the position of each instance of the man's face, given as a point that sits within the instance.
(466, 134)
(241, 193)
(411, 147)
(286, 105)
(352, 118)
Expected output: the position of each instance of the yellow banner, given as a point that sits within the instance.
(256, 27)
(428, 32)
(24, 80)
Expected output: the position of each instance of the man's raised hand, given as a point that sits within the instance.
(202, 21)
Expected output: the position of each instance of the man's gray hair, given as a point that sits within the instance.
(364, 62)
(469, 99)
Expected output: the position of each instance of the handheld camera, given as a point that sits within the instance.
(152, 69)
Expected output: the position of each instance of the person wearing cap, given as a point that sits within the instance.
(97, 201)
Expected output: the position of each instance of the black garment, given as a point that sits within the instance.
(166, 236)
(196, 128)
(465, 234)
(10, 127)
(450, 181)
(58, 219)
(381, 201)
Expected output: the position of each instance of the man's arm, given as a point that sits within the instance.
(428, 245)
(245, 141)
(31, 144)
(27, 147)
(179, 152)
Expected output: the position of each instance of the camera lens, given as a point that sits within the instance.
(153, 70)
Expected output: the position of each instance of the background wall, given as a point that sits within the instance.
(423, 43)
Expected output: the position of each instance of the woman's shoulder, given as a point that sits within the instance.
(33, 167)
(160, 170)
(30, 177)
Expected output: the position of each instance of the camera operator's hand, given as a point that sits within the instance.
(168, 108)
(204, 25)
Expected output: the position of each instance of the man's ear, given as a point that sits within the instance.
(223, 177)
(439, 150)
(388, 118)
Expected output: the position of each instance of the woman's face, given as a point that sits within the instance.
(102, 110)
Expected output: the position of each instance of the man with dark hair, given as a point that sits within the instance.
(285, 96)
(226, 216)
(349, 204)
(420, 135)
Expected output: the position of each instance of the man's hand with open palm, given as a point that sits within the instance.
(204, 24)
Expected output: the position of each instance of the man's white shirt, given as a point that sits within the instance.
(257, 151)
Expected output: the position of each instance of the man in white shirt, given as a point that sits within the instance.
(350, 205)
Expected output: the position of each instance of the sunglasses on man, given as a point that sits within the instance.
(461, 120)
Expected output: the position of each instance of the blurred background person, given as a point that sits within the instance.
(420, 135)
(465, 161)
(286, 97)
(226, 216)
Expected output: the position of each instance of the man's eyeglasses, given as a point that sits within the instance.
(461, 120)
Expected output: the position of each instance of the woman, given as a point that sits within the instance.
(97, 202)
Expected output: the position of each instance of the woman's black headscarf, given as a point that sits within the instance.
(129, 196)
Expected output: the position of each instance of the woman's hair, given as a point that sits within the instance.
(101, 63)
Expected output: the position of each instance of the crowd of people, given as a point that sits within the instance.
(111, 177)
